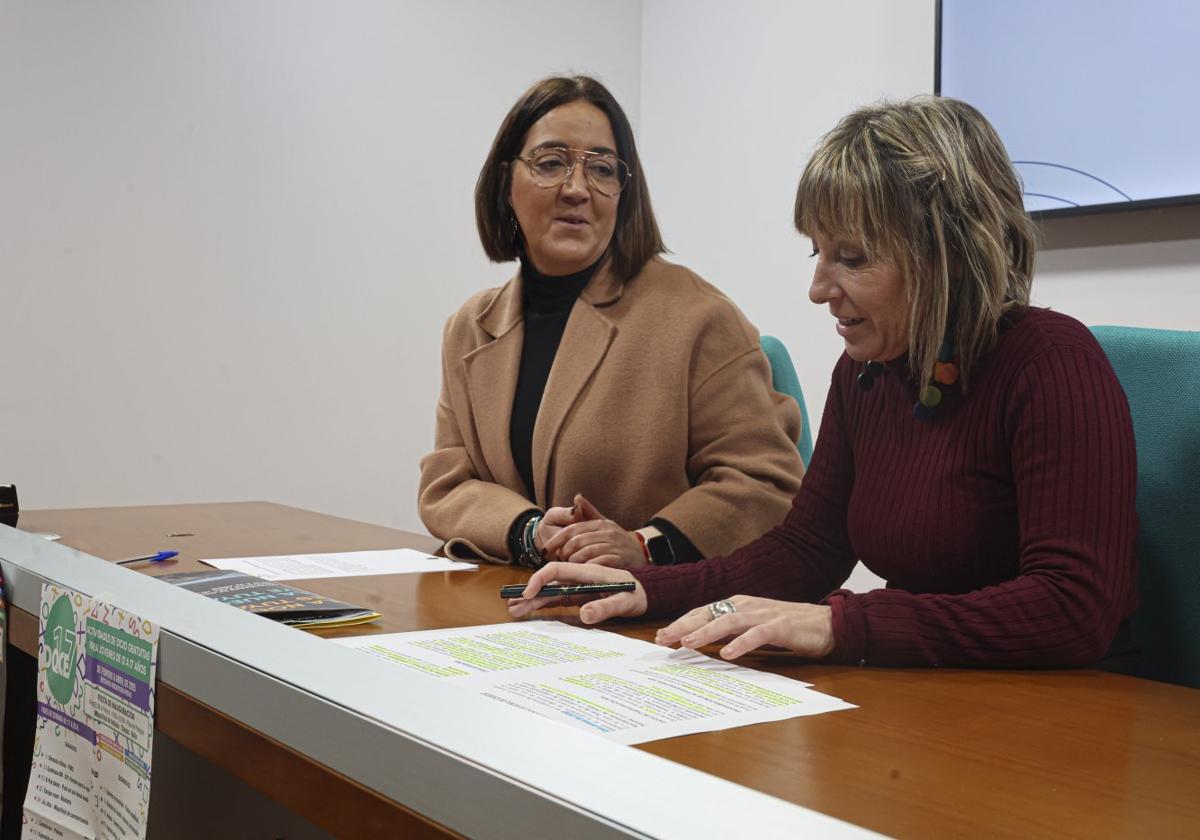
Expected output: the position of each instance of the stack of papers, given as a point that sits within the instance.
(627, 690)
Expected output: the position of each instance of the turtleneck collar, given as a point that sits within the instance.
(546, 294)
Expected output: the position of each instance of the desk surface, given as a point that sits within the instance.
(1081, 752)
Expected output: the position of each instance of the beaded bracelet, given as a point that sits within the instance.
(530, 556)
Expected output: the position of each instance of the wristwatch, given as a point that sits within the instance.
(661, 552)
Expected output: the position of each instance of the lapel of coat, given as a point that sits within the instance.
(585, 342)
(491, 373)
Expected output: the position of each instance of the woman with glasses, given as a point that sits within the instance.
(604, 406)
(975, 451)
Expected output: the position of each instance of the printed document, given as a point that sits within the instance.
(392, 561)
(627, 690)
(92, 748)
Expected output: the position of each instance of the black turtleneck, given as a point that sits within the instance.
(547, 303)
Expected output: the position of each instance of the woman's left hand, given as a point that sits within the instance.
(595, 540)
(806, 629)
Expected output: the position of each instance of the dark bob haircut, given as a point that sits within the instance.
(636, 237)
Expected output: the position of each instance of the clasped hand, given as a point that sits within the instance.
(581, 534)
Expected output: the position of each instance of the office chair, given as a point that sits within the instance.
(785, 381)
(1160, 372)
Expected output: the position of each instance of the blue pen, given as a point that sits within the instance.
(150, 558)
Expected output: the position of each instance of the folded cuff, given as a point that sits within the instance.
(462, 549)
(683, 549)
(849, 628)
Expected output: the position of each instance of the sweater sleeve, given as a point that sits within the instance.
(1073, 464)
(801, 559)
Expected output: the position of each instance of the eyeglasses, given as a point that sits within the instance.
(606, 174)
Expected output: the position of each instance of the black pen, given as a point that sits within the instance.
(515, 590)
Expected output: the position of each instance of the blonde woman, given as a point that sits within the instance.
(976, 451)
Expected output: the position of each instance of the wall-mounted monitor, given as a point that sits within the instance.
(1097, 101)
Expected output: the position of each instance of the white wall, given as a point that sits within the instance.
(1140, 268)
(734, 97)
(230, 233)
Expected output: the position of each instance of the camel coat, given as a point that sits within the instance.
(659, 404)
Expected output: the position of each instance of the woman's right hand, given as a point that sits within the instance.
(596, 608)
(590, 537)
(553, 521)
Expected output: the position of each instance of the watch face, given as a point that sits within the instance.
(660, 551)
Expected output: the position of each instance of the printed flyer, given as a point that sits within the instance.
(90, 776)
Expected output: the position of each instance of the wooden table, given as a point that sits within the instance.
(929, 752)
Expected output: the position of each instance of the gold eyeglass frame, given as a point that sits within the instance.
(576, 156)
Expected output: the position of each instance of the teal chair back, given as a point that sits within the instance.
(1160, 372)
(785, 381)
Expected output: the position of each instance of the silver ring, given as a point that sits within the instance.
(719, 608)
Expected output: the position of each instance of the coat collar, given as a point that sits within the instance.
(492, 368)
(505, 310)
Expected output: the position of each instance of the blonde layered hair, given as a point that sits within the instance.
(927, 184)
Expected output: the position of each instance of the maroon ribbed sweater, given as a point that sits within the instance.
(1004, 526)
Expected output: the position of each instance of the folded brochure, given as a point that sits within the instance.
(277, 601)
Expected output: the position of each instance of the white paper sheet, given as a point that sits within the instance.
(627, 690)
(393, 561)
